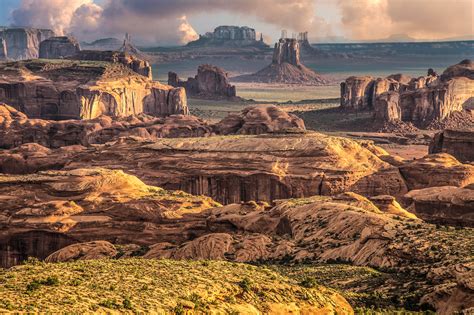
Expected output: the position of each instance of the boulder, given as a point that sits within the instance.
(459, 143)
(58, 47)
(83, 251)
(70, 89)
(210, 81)
(259, 119)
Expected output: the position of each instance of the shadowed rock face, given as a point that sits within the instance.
(210, 81)
(422, 100)
(459, 143)
(59, 47)
(68, 89)
(23, 42)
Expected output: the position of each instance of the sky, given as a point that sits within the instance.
(166, 22)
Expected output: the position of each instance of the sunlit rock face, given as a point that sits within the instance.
(72, 89)
(23, 42)
(459, 143)
(422, 100)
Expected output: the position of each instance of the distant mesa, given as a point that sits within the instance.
(22, 42)
(286, 67)
(210, 82)
(237, 36)
(59, 47)
(110, 43)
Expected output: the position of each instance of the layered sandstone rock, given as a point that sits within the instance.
(459, 143)
(421, 101)
(59, 47)
(210, 81)
(83, 251)
(443, 205)
(286, 67)
(23, 42)
(259, 119)
(132, 61)
(229, 36)
(16, 129)
(85, 90)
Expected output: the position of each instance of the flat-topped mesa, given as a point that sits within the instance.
(210, 81)
(78, 89)
(23, 42)
(287, 50)
(131, 61)
(59, 47)
(421, 101)
(234, 36)
(286, 67)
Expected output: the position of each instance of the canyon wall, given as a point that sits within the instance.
(23, 42)
(421, 100)
(459, 143)
(85, 90)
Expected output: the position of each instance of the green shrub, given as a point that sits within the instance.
(308, 283)
(245, 284)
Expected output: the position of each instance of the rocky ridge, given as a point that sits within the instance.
(59, 47)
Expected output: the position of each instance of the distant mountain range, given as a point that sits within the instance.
(395, 38)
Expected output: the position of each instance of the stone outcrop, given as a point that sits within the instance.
(131, 61)
(94, 213)
(443, 205)
(260, 119)
(24, 42)
(421, 101)
(286, 67)
(59, 47)
(16, 129)
(459, 143)
(210, 82)
(71, 89)
(3, 50)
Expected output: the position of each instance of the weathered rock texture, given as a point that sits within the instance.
(210, 82)
(16, 129)
(59, 47)
(285, 67)
(420, 100)
(459, 143)
(3, 50)
(102, 208)
(131, 61)
(85, 90)
(443, 205)
(24, 42)
(260, 119)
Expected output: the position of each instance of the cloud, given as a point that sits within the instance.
(186, 31)
(53, 14)
(421, 19)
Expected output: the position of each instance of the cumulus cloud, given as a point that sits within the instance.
(53, 14)
(422, 19)
(186, 31)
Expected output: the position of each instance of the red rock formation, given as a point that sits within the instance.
(210, 82)
(23, 42)
(59, 47)
(286, 67)
(85, 90)
(459, 143)
(259, 119)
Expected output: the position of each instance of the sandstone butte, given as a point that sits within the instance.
(422, 101)
(84, 89)
(104, 213)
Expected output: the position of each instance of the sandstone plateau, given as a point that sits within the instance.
(23, 42)
(59, 47)
(73, 89)
(421, 101)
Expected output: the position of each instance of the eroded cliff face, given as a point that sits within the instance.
(459, 143)
(23, 43)
(421, 101)
(85, 90)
